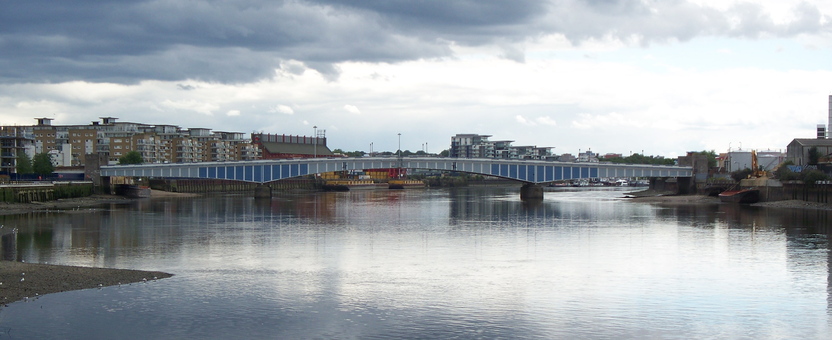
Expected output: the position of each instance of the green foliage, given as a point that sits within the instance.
(42, 164)
(741, 174)
(814, 156)
(24, 163)
(783, 172)
(641, 159)
(711, 157)
(444, 153)
(131, 157)
(812, 176)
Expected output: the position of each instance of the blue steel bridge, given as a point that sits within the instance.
(264, 171)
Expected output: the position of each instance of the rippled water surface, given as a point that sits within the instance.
(449, 263)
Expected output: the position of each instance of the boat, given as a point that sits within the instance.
(751, 195)
(347, 185)
(405, 183)
(133, 191)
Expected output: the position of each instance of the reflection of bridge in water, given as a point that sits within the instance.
(530, 172)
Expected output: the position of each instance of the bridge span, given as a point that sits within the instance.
(264, 171)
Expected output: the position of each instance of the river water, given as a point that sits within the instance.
(446, 263)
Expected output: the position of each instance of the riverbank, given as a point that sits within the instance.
(19, 281)
(78, 203)
(702, 199)
(677, 199)
(22, 281)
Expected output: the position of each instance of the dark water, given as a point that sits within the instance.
(465, 263)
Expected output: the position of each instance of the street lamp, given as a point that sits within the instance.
(400, 144)
(315, 141)
(371, 149)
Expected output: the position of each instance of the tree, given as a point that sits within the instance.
(641, 159)
(812, 176)
(444, 153)
(814, 156)
(131, 157)
(42, 164)
(24, 163)
(711, 157)
(783, 172)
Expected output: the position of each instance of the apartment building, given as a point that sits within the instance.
(479, 146)
(69, 145)
(14, 140)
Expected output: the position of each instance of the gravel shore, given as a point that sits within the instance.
(20, 281)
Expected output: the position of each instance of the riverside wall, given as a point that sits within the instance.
(219, 185)
(774, 190)
(43, 192)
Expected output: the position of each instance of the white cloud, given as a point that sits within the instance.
(522, 120)
(282, 109)
(352, 109)
(547, 121)
(233, 113)
(191, 105)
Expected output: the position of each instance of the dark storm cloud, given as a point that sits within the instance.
(243, 40)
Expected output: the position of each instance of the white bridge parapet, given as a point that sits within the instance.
(264, 171)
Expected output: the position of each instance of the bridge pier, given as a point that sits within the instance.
(262, 191)
(531, 191)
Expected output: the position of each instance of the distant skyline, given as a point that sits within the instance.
(613, 76)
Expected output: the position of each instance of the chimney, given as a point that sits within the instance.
(830, 115)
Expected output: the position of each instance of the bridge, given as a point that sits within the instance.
(530, 172)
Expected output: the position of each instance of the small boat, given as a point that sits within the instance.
(133, 191)
(405, 183)
(347, 185)
(751, 195)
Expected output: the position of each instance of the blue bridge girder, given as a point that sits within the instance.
(264, 171)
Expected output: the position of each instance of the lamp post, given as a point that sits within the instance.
(399, 174)
(315, 141)
(371, 149)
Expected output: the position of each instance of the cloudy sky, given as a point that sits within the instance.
(655, 76)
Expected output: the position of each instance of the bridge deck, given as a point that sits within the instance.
(263, 171)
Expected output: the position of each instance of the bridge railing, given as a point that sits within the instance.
(261, 171)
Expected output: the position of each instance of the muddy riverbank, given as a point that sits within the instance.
(23, 281)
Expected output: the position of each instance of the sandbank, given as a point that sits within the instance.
(21, 281)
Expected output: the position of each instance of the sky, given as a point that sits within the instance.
(658, 77)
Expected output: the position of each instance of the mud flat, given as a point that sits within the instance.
(22, 281)
(678, 199)
(795, 204)
(79, 203)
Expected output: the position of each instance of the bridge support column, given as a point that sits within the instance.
(530, 191)
(262, 191)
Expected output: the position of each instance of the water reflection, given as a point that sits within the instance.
(462, 262)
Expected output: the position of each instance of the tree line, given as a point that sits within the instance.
(41, 164)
